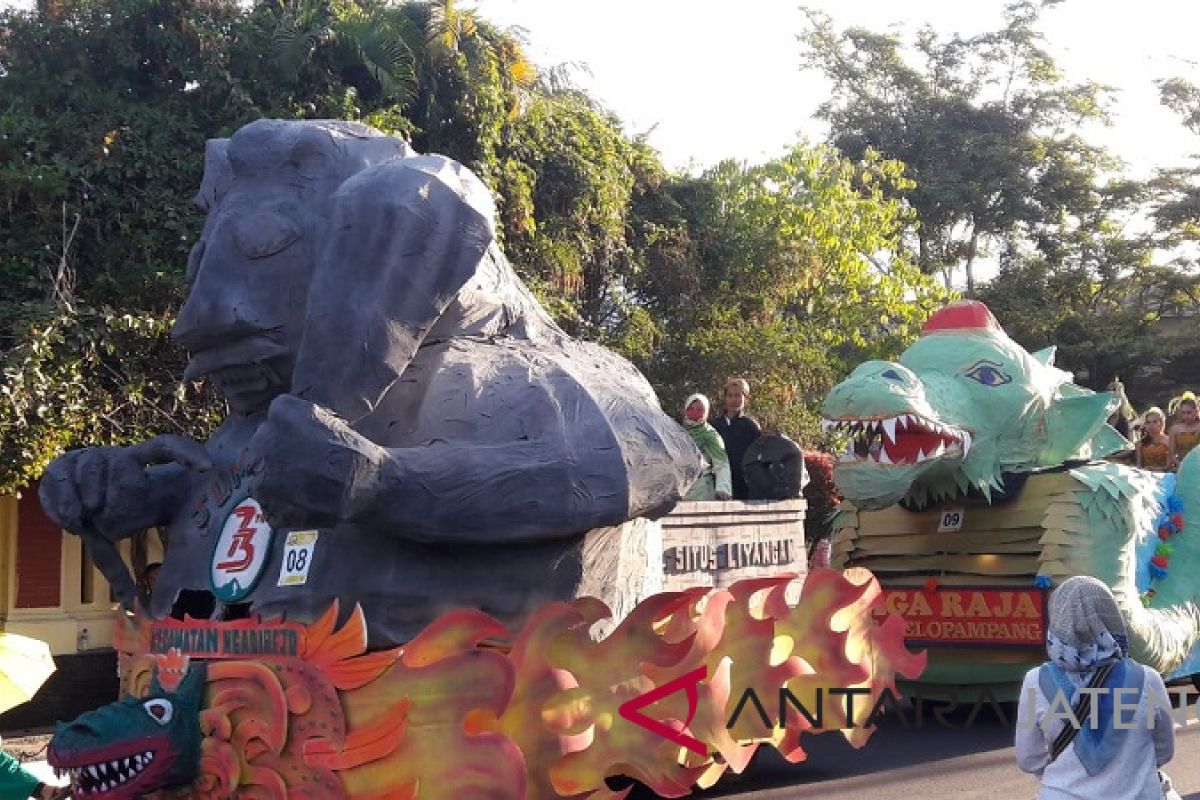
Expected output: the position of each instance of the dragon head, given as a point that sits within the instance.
(137, 744)
(963, 405)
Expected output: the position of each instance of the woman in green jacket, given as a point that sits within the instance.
(715, 482)
(18, 783)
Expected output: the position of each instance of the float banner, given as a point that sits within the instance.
(968, 615)
(200, 639)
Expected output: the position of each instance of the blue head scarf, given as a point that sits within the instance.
(1086, 632)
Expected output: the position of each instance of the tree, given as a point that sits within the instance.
(986, 126)
(1177, 216)
(800, 274)
(573, 177)
(1133, 325)
(791, 271)
(368, 47)
(102, 109)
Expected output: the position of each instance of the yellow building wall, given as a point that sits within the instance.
(83, 619)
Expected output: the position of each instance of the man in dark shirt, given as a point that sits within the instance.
(737, 431)
(194, 603)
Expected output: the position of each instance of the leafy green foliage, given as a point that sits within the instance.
(1177, 216)
(576, 179)
(102, 110)
(986, 126)
(94, 375)
(799, 275)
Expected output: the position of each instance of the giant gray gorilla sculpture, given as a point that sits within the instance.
(392, 385)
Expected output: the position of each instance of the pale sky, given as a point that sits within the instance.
(721, 80)
(715, 80)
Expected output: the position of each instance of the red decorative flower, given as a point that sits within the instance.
(1178, 520)
(1164, 533)
(1159, 561)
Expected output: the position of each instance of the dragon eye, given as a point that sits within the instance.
(988, 373)
(159, 710)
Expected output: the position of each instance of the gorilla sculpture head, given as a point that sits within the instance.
(269, 192)
(329, 253)
(392, 382)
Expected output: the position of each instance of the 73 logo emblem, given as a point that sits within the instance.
(240, 552)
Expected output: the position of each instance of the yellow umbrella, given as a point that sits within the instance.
(25, 664)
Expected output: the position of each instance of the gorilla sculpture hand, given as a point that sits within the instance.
(108, 493)
(340, 473)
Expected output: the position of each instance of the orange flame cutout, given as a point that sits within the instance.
(171, 669)
(469, 709)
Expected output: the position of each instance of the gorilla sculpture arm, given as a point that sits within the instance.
(427, 493)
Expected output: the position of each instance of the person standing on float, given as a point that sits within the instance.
(714, 482)
(738, 431)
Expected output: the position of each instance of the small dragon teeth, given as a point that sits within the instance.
(889, 429)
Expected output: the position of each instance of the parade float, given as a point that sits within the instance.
(973, 485)
(400, 520)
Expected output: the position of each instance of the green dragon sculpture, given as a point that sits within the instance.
(966, 411)
(137, 744)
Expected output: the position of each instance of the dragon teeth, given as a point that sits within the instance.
(889, 429)
(884, 458)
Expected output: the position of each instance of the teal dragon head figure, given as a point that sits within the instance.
(136, 745)
(964, 405)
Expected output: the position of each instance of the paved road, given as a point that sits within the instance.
(929, 761)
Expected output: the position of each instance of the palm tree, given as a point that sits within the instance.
(366, 39)
(454, 35)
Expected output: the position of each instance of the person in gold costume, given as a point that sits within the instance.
(1185, 433)
(1153, 445)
